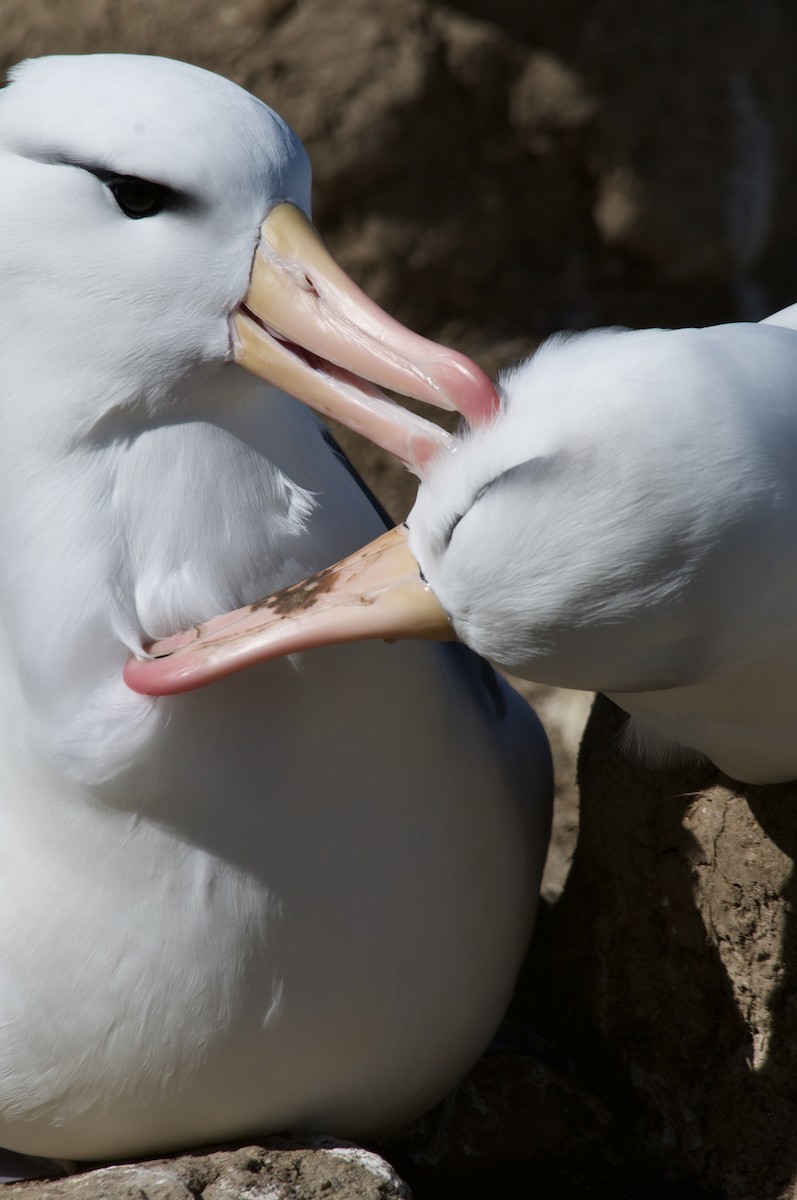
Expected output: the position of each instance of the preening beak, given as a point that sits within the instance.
(377, 592)
(305, 327)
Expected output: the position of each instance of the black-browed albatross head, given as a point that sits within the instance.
(156, 224)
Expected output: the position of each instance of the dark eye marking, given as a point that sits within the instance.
(449, 533)
(528, 474)
(139, 198)
(135, 197)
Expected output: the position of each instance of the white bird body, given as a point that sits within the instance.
(298, 899)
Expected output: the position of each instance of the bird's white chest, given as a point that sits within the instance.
(276, 913)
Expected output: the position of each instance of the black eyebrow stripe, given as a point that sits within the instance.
(54, 159)
(449, 533)
(105, 174)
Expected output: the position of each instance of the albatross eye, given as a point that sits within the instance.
(138, 198)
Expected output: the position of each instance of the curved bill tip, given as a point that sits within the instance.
(305, 327)
(375, 593)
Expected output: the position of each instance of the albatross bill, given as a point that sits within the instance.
(305, 327)
(377, 592)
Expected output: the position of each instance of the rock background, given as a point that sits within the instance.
(491, 172)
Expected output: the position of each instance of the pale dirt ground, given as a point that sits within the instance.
(564, 715)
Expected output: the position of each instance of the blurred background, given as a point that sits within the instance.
(491, 171)
(495, 169)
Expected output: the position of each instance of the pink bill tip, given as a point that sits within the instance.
(473, 393)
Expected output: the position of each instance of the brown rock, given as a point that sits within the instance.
(549, 98)
(274, 1170)
(673, 968)
(511, 1111)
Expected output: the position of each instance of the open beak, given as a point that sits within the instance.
(376, 592)
(306, 328)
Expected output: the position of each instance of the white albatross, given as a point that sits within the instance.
(297, 900)
(627, 524)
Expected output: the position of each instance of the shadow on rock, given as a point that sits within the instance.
(669, 970)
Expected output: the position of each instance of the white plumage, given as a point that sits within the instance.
(298, 899)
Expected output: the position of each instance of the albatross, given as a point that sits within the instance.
(627, 523)
(299, 899)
